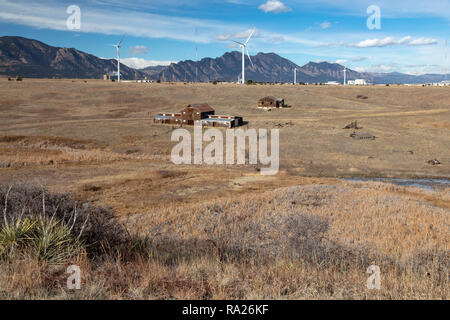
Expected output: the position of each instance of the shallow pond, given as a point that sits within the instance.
(428, 184)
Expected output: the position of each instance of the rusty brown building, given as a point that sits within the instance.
(195, 112)
(199, 112)
(270, 102)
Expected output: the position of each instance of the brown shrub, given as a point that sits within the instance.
(100, 231)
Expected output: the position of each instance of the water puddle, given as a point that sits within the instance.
(428, 184)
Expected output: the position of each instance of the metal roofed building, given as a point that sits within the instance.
(270, 102)
(357, 82)
(198, 112)
(223, 121)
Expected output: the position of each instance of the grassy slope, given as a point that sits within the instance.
(97, 141)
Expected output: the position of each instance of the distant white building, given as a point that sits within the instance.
(332, 83)
(357, 82)
(437, 84)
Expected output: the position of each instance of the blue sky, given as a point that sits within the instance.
(411, 39)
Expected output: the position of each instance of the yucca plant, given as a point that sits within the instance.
(52, 242)
(97, 228)
(16, 236)
(48, 239)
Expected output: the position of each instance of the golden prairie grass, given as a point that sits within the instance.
(403, 119)
(18, 151)
(368, 224)
(226, 232)
(359, 213)
(306, 242)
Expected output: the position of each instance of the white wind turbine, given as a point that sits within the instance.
(118, 57)
(446, 58)
(345, 76)
(244, 51)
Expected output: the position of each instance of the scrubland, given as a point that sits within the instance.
(303, 242)
(86, 179)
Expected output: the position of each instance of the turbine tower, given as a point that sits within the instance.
(196, 55)
(295, 75)
(118, 57)
(345, 76)
(446, 59)
(244, 51)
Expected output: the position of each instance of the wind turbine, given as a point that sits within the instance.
(196, 55)
(345, 76)
(446, 58)
(295, 75)
(118, 57)
(245, 50)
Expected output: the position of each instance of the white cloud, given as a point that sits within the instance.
(360, 69)
(390, 9)
(138, 50)
(379, 68)
(388, 41)
(422, 42)
(425, 68)
(414, 69)
(356, 59)
(139, 63)
(274, 6)
(341, 61)
(240, 2)
(232, 45)
(376, 69)
(277, 39)
(325, 25)
(111, 21)
(391, 41)
(238, 35)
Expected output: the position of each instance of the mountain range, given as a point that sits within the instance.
(35, 59)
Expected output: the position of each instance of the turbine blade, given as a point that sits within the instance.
(248, 55)
(239, 43)
(251, 34)
(120, 42)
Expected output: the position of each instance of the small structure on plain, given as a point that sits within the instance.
(270, 102)
(198, 112)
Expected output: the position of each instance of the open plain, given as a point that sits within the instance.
(219, 232)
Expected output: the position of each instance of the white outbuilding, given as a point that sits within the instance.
(357, 82)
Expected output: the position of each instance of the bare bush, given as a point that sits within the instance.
(99, 230)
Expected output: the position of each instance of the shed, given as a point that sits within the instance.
(271, 102)
(195, 112)
(362, 136)
(223, 121)
(168, 118)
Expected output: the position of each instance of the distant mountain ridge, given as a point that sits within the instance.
(270, 67)
(35, 59)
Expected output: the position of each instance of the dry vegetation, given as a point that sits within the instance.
(224, 232)
(314, 241)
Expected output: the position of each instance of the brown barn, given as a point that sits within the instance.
(196, 112)
(270, 102)
(202, 112)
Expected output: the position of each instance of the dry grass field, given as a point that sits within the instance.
(219, 232)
